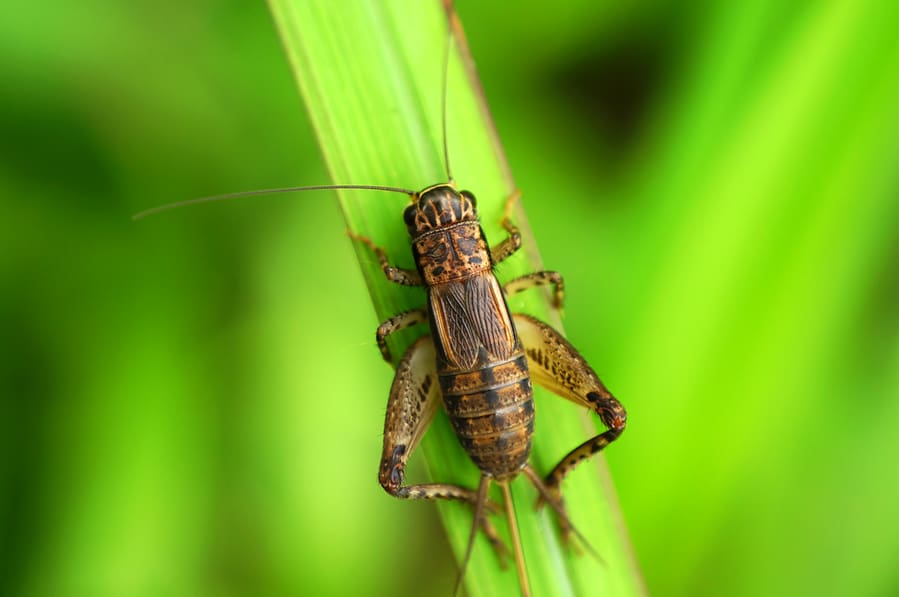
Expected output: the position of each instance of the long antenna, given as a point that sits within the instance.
(176, 205)
(446, 162)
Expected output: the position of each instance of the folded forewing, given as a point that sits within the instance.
(471, 315)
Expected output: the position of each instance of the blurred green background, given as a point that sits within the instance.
(192, 405)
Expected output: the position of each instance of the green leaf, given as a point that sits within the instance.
(371, 74)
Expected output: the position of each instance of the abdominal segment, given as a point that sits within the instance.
(492, 412)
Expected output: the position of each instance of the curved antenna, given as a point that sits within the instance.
(178, 204)
(446, 59)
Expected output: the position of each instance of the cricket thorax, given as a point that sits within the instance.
(452, 253)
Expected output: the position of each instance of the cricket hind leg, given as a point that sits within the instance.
(556, 365)
(414, 400)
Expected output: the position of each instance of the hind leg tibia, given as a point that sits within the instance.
(414, 400)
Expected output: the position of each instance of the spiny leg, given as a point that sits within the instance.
(394, 324)
(537, 279)
(513, 242)
(556, 502)
(556, 365)
(397, 275)
(414, 399)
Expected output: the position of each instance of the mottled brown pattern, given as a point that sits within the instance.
(451, 254)
(438, 207)
(480, 360)
(471, 323)
(494, 423)
(492, 412)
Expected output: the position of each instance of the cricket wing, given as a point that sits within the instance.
(471, 317)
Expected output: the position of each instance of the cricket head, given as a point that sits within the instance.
(437, 207)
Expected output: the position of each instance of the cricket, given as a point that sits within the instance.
(479, 360)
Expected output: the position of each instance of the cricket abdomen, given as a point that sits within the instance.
(492, 412)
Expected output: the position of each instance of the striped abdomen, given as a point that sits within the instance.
(492, 412)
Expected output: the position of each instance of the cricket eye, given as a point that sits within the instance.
(409, 215)
(470, 197)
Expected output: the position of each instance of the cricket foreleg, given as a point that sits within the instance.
(556, 365)
(394, 324)
(397, 275)
(513, 242)
(414, 399)
(539, 279)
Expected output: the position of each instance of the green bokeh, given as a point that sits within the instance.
(181, 411)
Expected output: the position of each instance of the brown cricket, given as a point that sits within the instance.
(479, 360)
